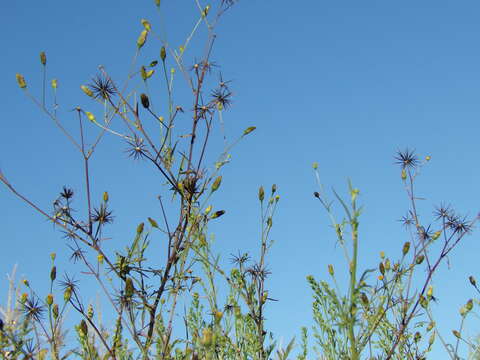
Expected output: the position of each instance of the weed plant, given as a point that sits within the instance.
(383, 314)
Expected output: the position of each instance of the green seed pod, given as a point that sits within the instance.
(406, 248)
(419, 259)
(404, 175)
(472, 281)
(129, 288)
(55, 311)
(140, 228)
(145, 101)
(86, 90)
(54, 84)
(43, 58)
(163, 53)
(21, 81)
(274, 188)
(269, 222)
(216, 184)
(53, 273)
(261, 193)
(423, 302)
(141, 39)
(432, 339)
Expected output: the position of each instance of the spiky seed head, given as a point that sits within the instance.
(21, 81)
(145, 101)
(43, 58)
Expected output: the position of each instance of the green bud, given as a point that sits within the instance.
(472, 281)
(248, 130)
(406, 248)
(83, 328)
(55, 311)
(153, 222)
(129, 288)
(419, 259)
(141, 39)
(140, 228)
(217, 214)
(49, 299)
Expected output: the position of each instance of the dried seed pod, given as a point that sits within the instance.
(145, 101)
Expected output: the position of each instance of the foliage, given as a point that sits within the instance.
(386, 316)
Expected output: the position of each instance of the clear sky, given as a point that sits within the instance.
(343, 83)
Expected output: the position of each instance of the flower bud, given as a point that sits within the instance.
(105, 196)
(330, 270)
(472, 281)
(274, 188)
(49, 299)
(53, 256)
(43, 58)
(216, 184)
(90, 311)
(406, 248)
(86, 90)
(83, 328)
(218, 214)
(53, 273)
(153, 222)
(163, 53)
(129, 288)
(248, 130)
(54, 84)
(142, 38)
(146, 25)
(67, 294)
(55, 311)
(140, 228)
(21, 81)
(145, 101)
(261, 193)
(419, 259)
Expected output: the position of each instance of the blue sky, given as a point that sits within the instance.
(345, 84)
